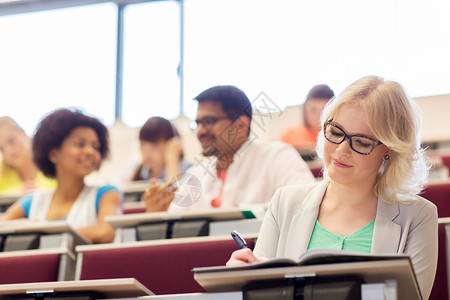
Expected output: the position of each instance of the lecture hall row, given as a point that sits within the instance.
(126, 260)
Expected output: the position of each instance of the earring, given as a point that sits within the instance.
(386, 157)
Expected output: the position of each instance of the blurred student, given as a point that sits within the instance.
(69, 145)
(161, 151)
(368, 201)
(238, 170)
(18, 173)
(304, 135)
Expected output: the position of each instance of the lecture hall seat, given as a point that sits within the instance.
(164, 269)
(439, 194)
(446, 162)
(29, 268)
(440, 287)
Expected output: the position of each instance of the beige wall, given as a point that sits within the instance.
(436, 118)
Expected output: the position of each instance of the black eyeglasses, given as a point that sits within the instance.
(207, 122)
(359, 143)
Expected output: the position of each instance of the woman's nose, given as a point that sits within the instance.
(344, 147)
(89, 149)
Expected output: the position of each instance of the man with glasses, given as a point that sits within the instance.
(238, 170)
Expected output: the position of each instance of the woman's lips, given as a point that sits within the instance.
(340, 164)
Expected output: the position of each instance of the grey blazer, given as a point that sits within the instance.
(399, 228)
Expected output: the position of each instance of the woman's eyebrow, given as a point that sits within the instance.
(363, 134)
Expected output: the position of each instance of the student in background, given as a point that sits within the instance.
(69, 145)
(368, 201)
(161, 151)
(18, 173)
(237, 170)
(304, 135)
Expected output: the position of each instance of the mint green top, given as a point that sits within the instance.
(358, 241)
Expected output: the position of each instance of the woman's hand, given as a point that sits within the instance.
(157, 197)
(243, 257)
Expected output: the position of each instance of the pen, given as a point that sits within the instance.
(238, 239)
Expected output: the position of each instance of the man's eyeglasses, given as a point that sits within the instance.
(207, 122)
(359, 143)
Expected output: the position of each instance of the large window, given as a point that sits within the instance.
(151, 61)
(68, 56)
(58, 58)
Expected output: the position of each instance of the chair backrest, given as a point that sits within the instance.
(164, 269)
(446, 161)
(439, 194)
(30, 268)
(317, 172)
(440, 287)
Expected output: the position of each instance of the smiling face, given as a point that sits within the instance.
(344, 165)
(213, 137)
(15, 147)
(79, 153)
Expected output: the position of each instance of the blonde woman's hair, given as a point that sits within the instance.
(394, 120)
(8, 122)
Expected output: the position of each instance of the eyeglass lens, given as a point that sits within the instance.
(359, 144)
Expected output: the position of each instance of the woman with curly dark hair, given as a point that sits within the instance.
(68, 145)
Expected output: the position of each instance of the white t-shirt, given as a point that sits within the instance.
(257, 170)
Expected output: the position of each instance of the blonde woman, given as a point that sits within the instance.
(368, 201)
(18, 172)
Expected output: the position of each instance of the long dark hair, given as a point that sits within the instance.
(155, 129)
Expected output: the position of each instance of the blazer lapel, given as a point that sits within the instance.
(304, 221)
(386, 233)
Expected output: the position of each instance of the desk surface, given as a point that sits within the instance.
(32, 252)
(138, 186)
(372, 272)
(111, 288)
(9, 198)
(197, 239)
(50, 227)
(129, 220)
(445, 220)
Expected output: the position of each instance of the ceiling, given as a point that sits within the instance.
(9, 7)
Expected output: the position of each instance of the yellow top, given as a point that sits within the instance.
(11, 182)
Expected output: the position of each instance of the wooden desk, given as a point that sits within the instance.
(65, 235)
(123, 222)
(93, 247)
(110, 288)
(211, 214)
(55, 237)
(6, 200)
(399, 270)
(50, 227)
(133, 190)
